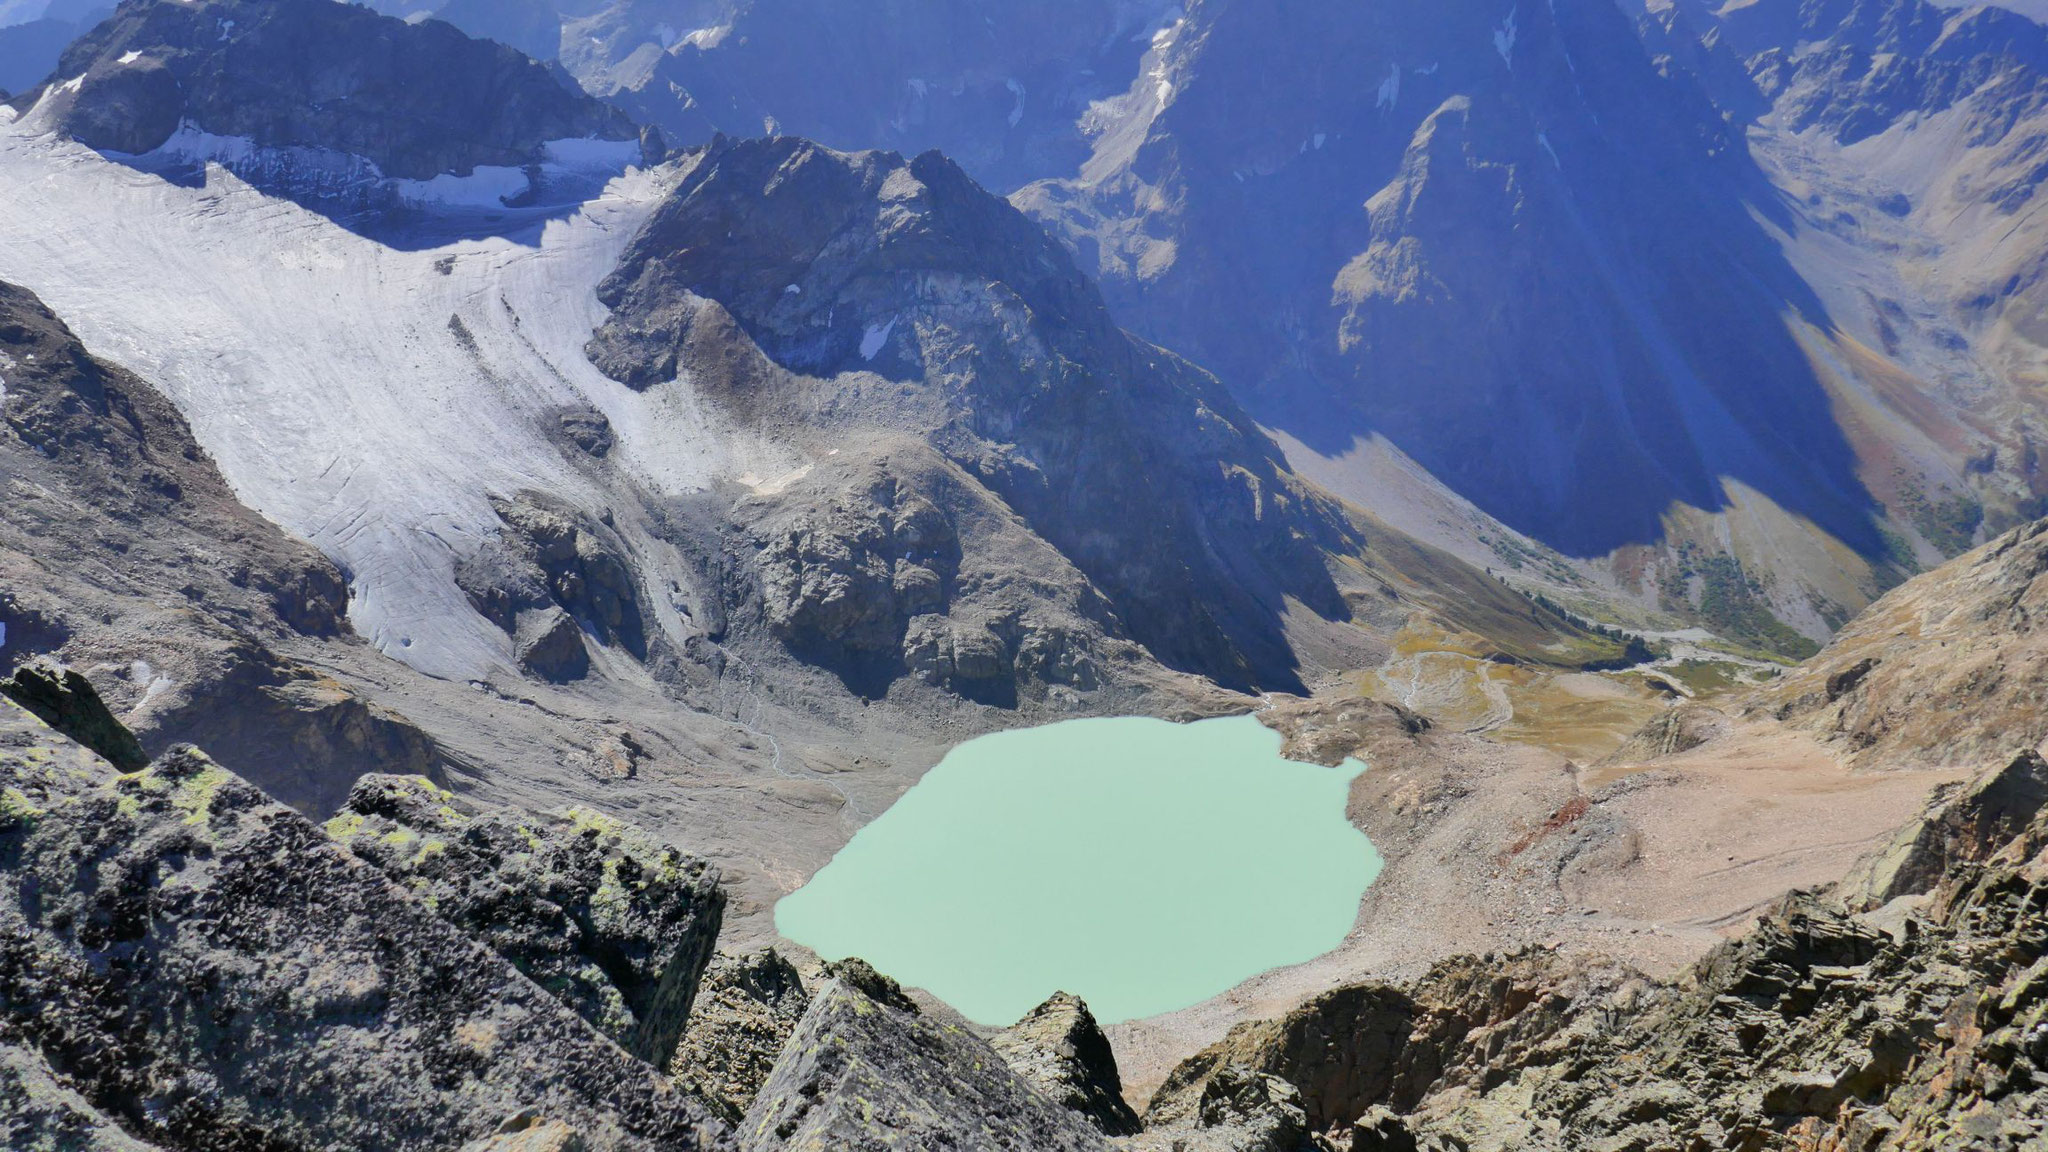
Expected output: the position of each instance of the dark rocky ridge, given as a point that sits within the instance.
(865, 1070)
(1059, 1047)
(209, 970)
(417, 100)
(992, 348)
(123, 552)
(616, 926)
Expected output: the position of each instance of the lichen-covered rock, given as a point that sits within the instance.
(1060, 1049)
(616, 926)
(1236, 1110)
(40, 1113)
(748, 1004)
(209, 970)
(865, 1071)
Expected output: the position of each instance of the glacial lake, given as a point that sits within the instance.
(1141, 865)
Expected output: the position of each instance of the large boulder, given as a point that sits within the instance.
(1060, 1048)
(207, 969)
(866, 1071)
(617, 926)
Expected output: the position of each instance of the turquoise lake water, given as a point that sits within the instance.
(1141, 865)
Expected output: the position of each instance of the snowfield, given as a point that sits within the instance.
(368, 398)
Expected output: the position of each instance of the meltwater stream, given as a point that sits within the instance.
(1141, 865)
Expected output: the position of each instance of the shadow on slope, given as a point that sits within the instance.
(1522, 253)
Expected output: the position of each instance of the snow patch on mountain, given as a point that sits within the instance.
(368, 398)
(875, 338)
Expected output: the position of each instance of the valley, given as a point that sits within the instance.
(598, 575)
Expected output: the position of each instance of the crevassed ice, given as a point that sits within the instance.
(319, 369)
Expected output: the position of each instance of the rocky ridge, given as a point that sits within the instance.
(1007, 493)
(122, 551)
(410, 101)
(617, 927)
(1946, 669)
(208, 969)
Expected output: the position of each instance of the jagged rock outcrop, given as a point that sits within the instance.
(551, 577)
(1966, 824)
(207, 969)
(1059, 1047)
(961, 324)
(865, 1070)
(416, 100)
(1462, 1026)
(1949, 668)
(1916, 1025)
(1680, 728)
(1236, 1110)
(613, 924)
(748, 1005)
(125, 554)
(68, 703)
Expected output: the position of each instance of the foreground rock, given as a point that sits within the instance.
(1060, 1048)
(617, 927)
(205, 969)
(866, 1070)
(748, 1005)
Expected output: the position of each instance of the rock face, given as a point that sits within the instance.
(1917, 1025)
(617, 927)
(747, 1007)
(1237, 1110)
(1060, 1048)
(124, 554)
(965, 325)
(1948, 668)
(551, 578)
(1351, 1049)
(416, 100)
(1957, 830)
(207, 969)
(865, 1070)
(68, 703)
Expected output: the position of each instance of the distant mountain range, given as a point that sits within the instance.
(1653, 309)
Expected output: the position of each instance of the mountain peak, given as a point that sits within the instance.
(416, 100)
